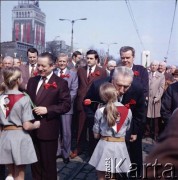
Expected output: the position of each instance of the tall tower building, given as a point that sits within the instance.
(28, 23)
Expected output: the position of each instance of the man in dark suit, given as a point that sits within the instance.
(169, 102)
(66, 119)
(30, 69)
(129, 90)
(127, 55)
(51, 96)
(86, 76)
(76, 56)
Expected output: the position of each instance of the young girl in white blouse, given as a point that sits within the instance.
(110, 157)
(16, 146)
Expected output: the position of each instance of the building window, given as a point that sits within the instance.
(28, 14)
(16, 14)
(19, 14)
(22, 14)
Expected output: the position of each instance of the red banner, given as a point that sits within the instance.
(24, 31)
(16, 31)
(28, 32)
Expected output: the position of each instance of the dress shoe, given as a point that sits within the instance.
(58, 156)
(66, 160)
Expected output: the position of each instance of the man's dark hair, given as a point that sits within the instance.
(32, 50)
(93, 52)
(49, 56)
(76, 53)
(127, 48)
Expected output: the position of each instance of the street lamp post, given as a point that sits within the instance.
(108, 45)
(72, 32)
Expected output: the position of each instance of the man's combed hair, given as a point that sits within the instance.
(109, 95)
(127, 48)
(32, 50)
(124, 71)
(49, 56)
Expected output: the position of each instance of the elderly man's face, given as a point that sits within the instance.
(161, 68)
(154, 67)
(44, 67)
(111, 67)
(17, 62)
(122, 83)
(62, 62)
(7, 63)
(127, 58)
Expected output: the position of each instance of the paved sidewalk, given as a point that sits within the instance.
(79, 169)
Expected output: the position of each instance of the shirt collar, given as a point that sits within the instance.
(48, 76)
(92, 68)
(64, 70)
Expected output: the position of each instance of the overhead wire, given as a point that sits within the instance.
(134, 22)
(166, 57)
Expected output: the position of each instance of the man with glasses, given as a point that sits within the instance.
(132, 96)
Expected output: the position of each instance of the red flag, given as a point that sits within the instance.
(28, 32)
(105, 62)
(16, 31)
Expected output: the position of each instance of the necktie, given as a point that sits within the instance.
(32, 70)
(89, 73)
(40, 90)
(61, 72)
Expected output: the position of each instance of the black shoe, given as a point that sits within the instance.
(58, 156)
(66, 160)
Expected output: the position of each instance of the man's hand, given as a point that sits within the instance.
(133, 138)
(40, 110)
(155, 100)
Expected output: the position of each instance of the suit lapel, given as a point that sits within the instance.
(46, 91)
(91, 79)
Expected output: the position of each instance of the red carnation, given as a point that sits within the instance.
(136, 73)
(35, 73)
(87, 102)
(97, 73)
(131, 102)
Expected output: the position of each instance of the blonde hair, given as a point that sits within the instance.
(109, 94)
(10, 78)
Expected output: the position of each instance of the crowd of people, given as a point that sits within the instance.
(50, 102)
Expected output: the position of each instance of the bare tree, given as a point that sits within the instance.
(54, 47)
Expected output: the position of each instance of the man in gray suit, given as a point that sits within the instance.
(71, 77)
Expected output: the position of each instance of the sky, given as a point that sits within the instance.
(108, 22)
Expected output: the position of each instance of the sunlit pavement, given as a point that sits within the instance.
(79, 169)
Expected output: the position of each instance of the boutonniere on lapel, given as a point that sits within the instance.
(131, 102)
(65, 76)
(136, 73)
(97, 73)
(48, 85)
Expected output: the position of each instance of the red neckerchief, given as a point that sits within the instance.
(123, 111)
(13, 98)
